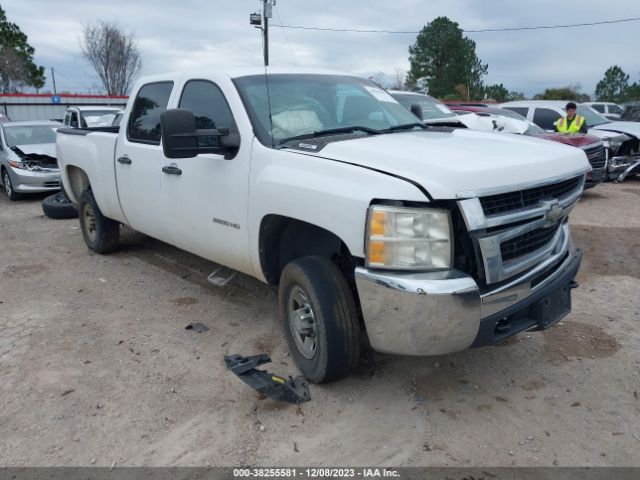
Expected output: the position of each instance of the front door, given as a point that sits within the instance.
(206, 196)
(139, 161)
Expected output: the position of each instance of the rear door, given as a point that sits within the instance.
(139, 160)
(206, 197)
(546, 118)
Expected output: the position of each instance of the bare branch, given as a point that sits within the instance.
(114, 54)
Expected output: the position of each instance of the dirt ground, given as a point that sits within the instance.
(96, 366)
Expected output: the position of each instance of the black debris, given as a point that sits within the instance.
(292, 390)
(197, 327)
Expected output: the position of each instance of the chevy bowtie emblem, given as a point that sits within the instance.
(555, 213)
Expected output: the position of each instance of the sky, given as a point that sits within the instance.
(194, 34)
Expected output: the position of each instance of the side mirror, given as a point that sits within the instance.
(180, 136)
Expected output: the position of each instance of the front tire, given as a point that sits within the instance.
(320, 319)
(8, 187)
(101, 234)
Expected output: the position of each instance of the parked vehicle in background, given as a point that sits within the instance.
(609, 110)
(28, 158)
(434, 112)
(424, 241)
(4, 118)
(90, 116)
(621, 139)
(117, 119)
(592, 146)
(631, 112)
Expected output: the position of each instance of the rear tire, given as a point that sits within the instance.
(101, 234)
(59, 206)
(8, 187)
(320, 319)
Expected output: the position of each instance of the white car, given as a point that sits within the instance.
(90, 116)
(621, 139)
(424, 241)
(610, 110)
(434, 112)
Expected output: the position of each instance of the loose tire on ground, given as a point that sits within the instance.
(8, 186)
(315, 282)
(101, 234)
(59, 206)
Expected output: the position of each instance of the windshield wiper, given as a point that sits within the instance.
(332, 131)
(406, 126)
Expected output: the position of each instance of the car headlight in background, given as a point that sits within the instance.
(408, 238)
(24, 165)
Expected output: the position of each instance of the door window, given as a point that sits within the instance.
(208, 104)
(144, 123)
(598, 107)
(519, 110)
(546, 118)
(615, 109)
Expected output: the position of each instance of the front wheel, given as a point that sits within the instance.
(8, 186)
(101, 234)
(320, 319)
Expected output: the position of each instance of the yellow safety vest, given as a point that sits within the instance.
(564, 126)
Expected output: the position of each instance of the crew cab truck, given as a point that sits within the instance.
(379, 230)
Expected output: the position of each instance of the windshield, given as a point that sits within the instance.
(592, 118)
(29, 135)
(304, 104)
(432, 109)
(533, 129)
(97, 118)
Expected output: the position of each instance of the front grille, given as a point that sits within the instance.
(51, 184)
(596, 156)
(527, 242)
(506, 202)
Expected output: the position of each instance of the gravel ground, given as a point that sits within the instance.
(96, 366)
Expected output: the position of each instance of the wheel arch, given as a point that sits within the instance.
(78, 182)
(283, 239)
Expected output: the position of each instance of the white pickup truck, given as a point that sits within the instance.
(380, 231)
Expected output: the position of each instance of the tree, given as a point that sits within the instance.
(496, 92)
(614, 86)
(442, 58)
(570, 92)
(114, 54)
(17, 68)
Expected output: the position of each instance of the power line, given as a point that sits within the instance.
(513, 29)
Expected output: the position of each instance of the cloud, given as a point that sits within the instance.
(195, 34)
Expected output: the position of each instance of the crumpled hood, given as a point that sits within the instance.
(48, 149)
(632, 128)
(448, 163)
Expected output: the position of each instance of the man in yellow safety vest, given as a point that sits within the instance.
(572, 123)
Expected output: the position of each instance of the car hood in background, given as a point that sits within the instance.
(46, 149)
(575, 140)
(632, 128)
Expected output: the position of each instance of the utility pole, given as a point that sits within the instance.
(53, 78)
(256, 20)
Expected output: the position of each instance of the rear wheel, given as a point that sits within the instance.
(101, 234)
(320, 319)
(8, 186)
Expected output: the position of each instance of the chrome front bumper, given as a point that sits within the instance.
(444, 312)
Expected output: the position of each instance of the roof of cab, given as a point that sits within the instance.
(84, 108)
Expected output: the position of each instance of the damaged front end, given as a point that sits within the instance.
(623, 156)
(34, 162)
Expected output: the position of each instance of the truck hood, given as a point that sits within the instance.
(632, 128)
(449, 165)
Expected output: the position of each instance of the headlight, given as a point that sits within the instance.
(23, 165)
(408, 238)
